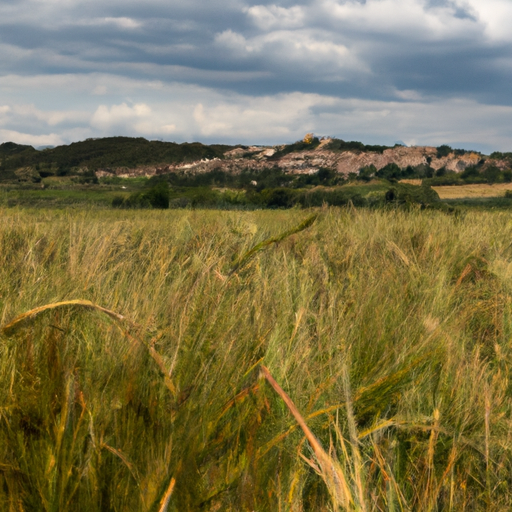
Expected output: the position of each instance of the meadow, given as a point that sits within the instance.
(354, 360)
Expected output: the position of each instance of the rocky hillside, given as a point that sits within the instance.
(310, 161)
(129, 157)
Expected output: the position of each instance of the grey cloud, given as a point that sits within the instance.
(411, 51)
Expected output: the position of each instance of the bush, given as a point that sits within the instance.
(118, 202)
(155, 197)
(403, 193)
(389, 172)
(470, 172)
(367, 173)
(448, 179)
(88, 177)
(158, 196)
(443, 151)
(280, 198)
(492, 174)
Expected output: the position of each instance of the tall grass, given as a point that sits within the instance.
(135, 385)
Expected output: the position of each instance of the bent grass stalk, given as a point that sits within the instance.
(20, 320)
(427, 332)
(245, 258)
(328, 467)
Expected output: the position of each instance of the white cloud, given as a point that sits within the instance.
(302, 49)
(118, 115)
(233, 41)
(273, 16)
(188, 112)
(28, 113)
(408, 95)
(496, 15)
(100, 90)
(51, 139)
(122, 22)
(411, 19)
(137, 119)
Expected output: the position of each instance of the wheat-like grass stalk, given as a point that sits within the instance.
(246, 257)
(166, 498)
(87, 305)
(84, 304)
(328, 467)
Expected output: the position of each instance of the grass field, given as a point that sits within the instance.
(360, 361)
(471, 191)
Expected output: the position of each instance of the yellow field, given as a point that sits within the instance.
(477, 190)
(461, 191)
(208, 360)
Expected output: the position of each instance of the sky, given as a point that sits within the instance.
(418, 72)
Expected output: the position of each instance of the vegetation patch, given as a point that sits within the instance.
(160, 360)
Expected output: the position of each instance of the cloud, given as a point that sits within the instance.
(121, 22)
(411, 19)
(273, 16)
(184, 112)
(137, 119)
(118, 115)
(33, 140)
(256, 71)
(294, 51)
(496, 18)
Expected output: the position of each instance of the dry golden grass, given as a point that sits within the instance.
(473, 191)
(416, 182)
(384, 338)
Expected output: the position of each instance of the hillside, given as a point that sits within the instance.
(132, 157)
(107, 153)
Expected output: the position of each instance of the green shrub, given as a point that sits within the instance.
(443, 151)
(403, 193)
(118, 202)
(158, 196)
(389, 172)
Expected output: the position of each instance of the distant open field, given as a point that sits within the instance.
(468, 191)
(150, 361)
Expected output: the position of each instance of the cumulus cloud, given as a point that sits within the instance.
(51, 139)
(179, 111)
(293, 50)
(118, 115)
(495, 16)
(273, 16)
(417, 70)
(138, 119)
(411, 19)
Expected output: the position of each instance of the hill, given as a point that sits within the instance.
(106, 153)
(123, 157)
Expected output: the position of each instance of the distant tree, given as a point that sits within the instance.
(367, 172)
(280, 198)
(325, 175)
(492, 174)
(389, 172)
(443, 151)
(158, 196)
(470, 173)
